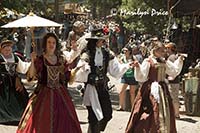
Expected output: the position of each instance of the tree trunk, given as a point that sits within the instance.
(56, 10)
(94, 10)
(45, 6)
(122, 31)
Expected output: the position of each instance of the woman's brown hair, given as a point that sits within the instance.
(58, 46)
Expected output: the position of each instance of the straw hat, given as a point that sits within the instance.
(6, 42)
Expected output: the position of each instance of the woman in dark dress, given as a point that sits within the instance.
(13, 96)
(153, 110)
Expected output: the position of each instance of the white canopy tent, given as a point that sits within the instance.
(31, 20)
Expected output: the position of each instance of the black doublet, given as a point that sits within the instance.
(100, 71)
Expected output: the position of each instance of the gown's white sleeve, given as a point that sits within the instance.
(81, 43)
(115, 69)
(71, 55)
(174, 69)
(141, 73)
(82, 74)
(22, 67)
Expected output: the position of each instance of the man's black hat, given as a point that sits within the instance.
(97, 34)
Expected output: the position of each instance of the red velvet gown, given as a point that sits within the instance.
(50, 109)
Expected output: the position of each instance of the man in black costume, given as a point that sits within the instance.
(96, 96)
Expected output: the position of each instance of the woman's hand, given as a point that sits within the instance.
(32, 71)
(134, 64)
(33, 56)
(73, 45)
(18, 85)
(182, 56)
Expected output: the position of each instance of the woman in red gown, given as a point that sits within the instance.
(50, 108)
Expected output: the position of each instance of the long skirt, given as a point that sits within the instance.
(12, 102)
(150, 116)
(50, 111)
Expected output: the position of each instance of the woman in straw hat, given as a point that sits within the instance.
(13, 96)
(153, 109)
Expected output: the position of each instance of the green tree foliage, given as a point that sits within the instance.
(156, 24)
(149, 23)
(12, 9)
(24, 6)
(101, 8)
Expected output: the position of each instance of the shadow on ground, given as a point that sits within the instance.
(11, 123)
(77, 98)
(190, 120)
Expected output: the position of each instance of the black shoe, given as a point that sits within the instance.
(120, 109)
(177, 117)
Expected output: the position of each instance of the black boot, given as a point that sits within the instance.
(93, 128)
(102, 125)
